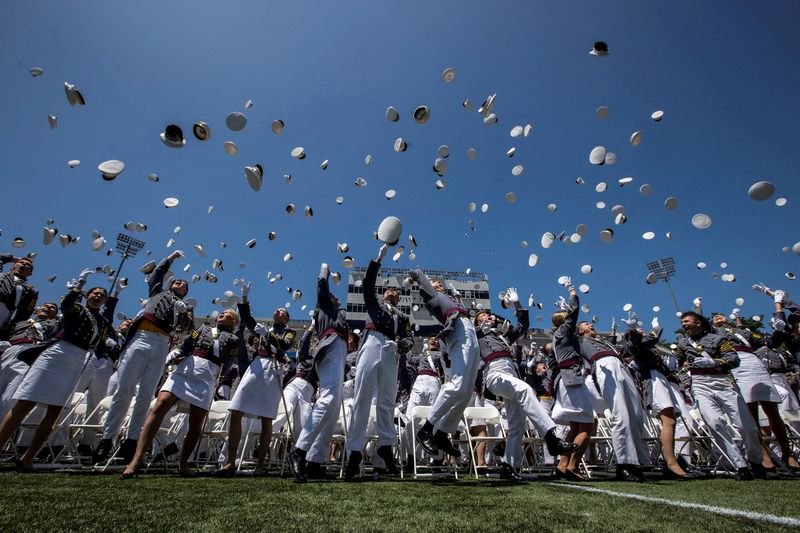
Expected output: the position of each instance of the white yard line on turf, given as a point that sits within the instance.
(750, 515)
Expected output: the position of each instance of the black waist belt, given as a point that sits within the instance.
(371, 327)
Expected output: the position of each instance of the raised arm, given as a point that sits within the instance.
(155, 283)
(426, 289)
(323, 289)
(523, 322)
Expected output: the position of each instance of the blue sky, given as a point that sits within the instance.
(726, 77)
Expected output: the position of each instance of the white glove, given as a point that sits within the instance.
(779, 296)
(324, 270)
(261, 329)
(760, 287)
(245, 288)
(613, 324)
(174, 356)
(736, 313)
(511, 295)
(777, 324)
(504, 327)
(407, 282)
(180, 307)
(85, 274)
(382, 252)
(486, 328)
(568, 283)
(455, 291)
(698, 302)
(631, 321)
(562, 304)
(111, 343)
(530, 300)
(655, 323)
(73, 284)
(120, 285)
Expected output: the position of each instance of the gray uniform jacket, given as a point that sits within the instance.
(384, 318)
(566, 346)
(331, 322)
(717, 347)
(19, 308)
(160, 308)
(275, 344)
(494, 344)
(441, 306)
(200, 343)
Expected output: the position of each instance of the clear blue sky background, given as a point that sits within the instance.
(726, 75)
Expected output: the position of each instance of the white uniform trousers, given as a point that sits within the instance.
(12, 370)
(520, 402)
(717, 396)
(320, 423)
(622, 398)
(141, 364)
(377, 367)
(462, 347)
(423, 392)
(789, 400)
(94, 381)
(298, 401)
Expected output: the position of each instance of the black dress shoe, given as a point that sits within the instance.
(385, 453)
(759, 472)
(425, 438)
(84, 450)
(186, 473)
(630, 473)
(102, 451)
(556, 446)
(744, 474)
(316, 471)
(353, 466)
(508, 473)
(444, 444)
(224, 472)
(297, 460)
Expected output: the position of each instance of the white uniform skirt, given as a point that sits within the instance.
(259, 391)
(53, 376)
(572, 405)
(664, 396)
(753, 380)
(789, 400)
(193, 381)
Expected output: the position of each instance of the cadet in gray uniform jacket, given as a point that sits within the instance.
(57, 365)
(710, 358)
(143, 357)
(204, 355)
(329, 358)
(17, 296)
(387, 335)
(615, 386)
(502, 380)
(573, 405)
(461, 345)
(39, 328)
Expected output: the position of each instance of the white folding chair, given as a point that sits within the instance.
(490, 415)
(421, 412)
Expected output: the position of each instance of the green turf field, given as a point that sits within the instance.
(72, 502)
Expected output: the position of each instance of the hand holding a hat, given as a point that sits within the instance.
(177, 254)
(698, 302)
(261, 329)
(562, 304)
(736, 313)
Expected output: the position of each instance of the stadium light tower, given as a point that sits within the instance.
(127, 247)
(662, 270)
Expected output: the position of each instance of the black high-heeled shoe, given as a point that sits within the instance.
(224, 473)
(131, 475)
(183, 473)
(669, 474)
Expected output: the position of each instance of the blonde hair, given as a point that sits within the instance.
(558, 318)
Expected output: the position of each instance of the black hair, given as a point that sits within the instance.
(703, 320)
